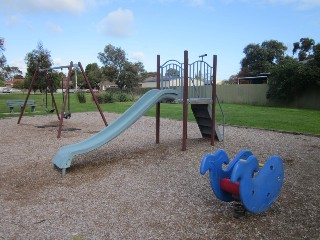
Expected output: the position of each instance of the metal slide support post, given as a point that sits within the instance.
(65, 99)
(35, 75)
(158, 104)
(93, 95)
(185, 102)
(214, 94)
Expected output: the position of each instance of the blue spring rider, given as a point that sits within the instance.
(256, 186)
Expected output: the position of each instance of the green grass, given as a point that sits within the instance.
(274, 118)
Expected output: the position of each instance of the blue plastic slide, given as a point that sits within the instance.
(63, 157)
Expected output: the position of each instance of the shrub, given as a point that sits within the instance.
(100, 98)
(109, 97)
(81, 97)
(123, 97)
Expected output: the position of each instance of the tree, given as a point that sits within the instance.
(292, 76)
(3, 59)
(233, 79)
(316, 55)
(171, 72)
(286, 79)
(274, 50)
(119, 70)
(9, 73)
(131, 75)
(19, 84)
(304, 48)
(94, 74)
(113, 59)
(259, 59)
(38, 57)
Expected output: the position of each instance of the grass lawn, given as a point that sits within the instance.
(284, 119)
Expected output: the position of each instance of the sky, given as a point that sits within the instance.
(77, 30)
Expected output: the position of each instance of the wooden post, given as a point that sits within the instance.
(158, 104)
(92, 93)
(185, 102)
(35, 75)
(214, 94)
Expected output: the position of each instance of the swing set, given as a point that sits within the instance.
(65, 95)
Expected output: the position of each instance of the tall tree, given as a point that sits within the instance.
(38, 57)
(8, 73)
(113, 58)
(304, 48)
(259, 58)
(292, 76)
(94, 74)
(131, 75)
(118, 69)
(274, 51)
(3, 59)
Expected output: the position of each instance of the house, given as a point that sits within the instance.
(149, 82)
(10, 84)
(104, 85)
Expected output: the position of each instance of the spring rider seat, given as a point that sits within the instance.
(255, 186)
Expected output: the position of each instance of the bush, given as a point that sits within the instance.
(109, 97)
(123, 97)
(100, 98)
(81, 97)
(290, 78)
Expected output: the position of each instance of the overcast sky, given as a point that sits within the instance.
(77, 30)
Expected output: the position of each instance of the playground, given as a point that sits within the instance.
(133, 188)
(139, 177)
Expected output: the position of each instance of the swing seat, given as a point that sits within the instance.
(67, 115)
(50, 110)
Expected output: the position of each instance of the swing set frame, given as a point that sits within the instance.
(61, 116)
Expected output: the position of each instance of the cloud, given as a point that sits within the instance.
(137, 56)
(12, 20)
(118, 23)
(186, 2)
(299, 4)
(303, 4)
(57, 61)
(197, 2)
(19, 62)
(73, 6)
(54, 28)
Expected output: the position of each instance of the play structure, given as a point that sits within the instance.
(196, 85)
(181, 82)
(255, 185)
(65, 111)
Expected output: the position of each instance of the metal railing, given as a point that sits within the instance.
(200, 79)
